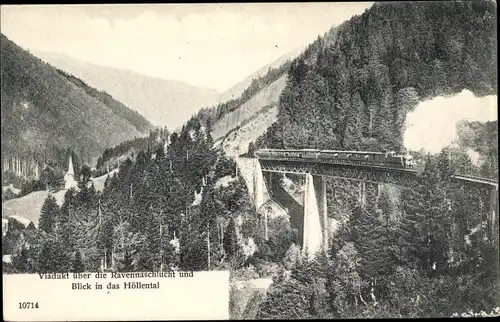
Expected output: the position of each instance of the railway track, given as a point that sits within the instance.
(313, 156)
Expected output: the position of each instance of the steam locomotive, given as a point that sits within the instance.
(391, 158)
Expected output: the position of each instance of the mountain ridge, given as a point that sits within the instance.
(237, 89)
(161, 101)
(45, 111)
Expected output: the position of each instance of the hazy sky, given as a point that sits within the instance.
(212, 45)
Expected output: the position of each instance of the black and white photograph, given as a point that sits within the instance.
(338, 160)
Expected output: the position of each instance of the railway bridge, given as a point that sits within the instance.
(315, 218)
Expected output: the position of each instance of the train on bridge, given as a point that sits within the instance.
(387, 159)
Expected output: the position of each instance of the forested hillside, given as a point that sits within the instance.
(211, 115)
(154, 213)
(137, 120)
(45, 111)
(112, 157)
(482, 138)
(163, 102)
(353, 88)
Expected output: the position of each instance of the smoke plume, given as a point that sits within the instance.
(432, 125)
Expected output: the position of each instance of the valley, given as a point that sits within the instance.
(162, 102)
(148, 174)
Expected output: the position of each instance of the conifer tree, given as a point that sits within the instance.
(143, 259)
(49, 214)
(160, 152)
(53, 258)
(444, 166)
(344, 282)
(231, 239)
(85, 173)
(92, 191)
(67, 219)
(373, 241)
(427, 220)
(77, 264)
(125, 264)
(83, 196)
(20, 261)
(353, 127)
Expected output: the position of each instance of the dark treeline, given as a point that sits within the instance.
(120, 150)
(353, 88)
(111, 157)
(26, 165)
(50, 176)
(136, 119)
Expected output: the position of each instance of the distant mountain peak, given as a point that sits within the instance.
(164, 102)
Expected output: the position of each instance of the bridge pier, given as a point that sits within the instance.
(259, 193)
(362, 194)
(270, 190)
(493, 215)
(320, 190)
(258, 186)
(315, 216)
(378, 190)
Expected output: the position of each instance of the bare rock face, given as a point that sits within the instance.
(263, 98)
(238, 89)
(236, 143)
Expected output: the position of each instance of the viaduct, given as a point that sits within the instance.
(315, 218)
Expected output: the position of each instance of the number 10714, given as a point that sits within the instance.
(28, 305)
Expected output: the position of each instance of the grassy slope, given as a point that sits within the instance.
(29, 206)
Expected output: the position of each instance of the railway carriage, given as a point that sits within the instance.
(292, 154)
(310, 153)
(299, 154)
(331, 156)
(265, 153)
(390, 158)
